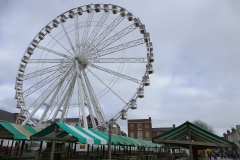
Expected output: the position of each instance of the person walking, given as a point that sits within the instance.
(209, 153)
(214, 154)
(26, 147)
(224, 155)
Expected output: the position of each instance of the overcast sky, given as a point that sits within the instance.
(196, 48)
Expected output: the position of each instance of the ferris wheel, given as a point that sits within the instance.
(91, 60)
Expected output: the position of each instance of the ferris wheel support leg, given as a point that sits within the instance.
(88, 105)
(62, 101)
(45, 98)
(49, 105)
(91, 97)
(81, 98)
(66, 103)
(97, 108)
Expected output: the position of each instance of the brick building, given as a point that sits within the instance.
(161, 130)
(140, 128)
(8, 116)
(89, 122)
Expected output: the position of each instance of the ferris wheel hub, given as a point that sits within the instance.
(83, 61)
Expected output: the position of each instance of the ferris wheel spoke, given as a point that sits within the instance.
(117, 48)
(43, 82)
(66, 81)
(88, 103)
(46, 92)
(115, 37)
(51, 60)
(44, 71)
(61, 45)
(45, 95)
(98, 27)
(69, 40)
(107, 86)
(116, 73)
(48, 105)
(54, 99)
(80, 94)
(96, 30)
(54, 52)
(68, 99)
(118, 60)
(76, 33)
(60, 104)
(104, 34)
(96, 105)
(86, 31)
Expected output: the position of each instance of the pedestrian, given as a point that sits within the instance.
(209, 153)
(168, 151)
(46, 149)
(6, 151)
(26, 147)
(214, 155)
(224, 155)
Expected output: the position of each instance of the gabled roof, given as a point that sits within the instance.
(16, 132)
(188, 133)
(64, 132)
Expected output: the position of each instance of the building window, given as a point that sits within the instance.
(132, 134)
(139, 134)
(147, 134)
(158, 133)
(146, 125)
(139, 126)
(131, 126)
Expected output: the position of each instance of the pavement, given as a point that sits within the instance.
(24, 156)
(218, 158)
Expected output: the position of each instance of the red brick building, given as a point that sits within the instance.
(140, 128)
(161, 130)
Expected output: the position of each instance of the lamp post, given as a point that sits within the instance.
(110, 125)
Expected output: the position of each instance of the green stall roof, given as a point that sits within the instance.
(198, 137)
(16, 132)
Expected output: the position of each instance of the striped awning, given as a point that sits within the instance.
(16, 132)
(122, 140)
(105, 136)
(64, 132)
(191, 134)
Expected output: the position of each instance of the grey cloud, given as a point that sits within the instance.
(196, 49)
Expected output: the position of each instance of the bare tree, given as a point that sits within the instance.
(204, 125)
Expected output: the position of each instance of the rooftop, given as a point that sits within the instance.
(162, 129)
(7, 116)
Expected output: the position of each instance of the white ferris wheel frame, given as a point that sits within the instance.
(76, 71)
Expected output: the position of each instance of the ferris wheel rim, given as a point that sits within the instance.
(126, 107)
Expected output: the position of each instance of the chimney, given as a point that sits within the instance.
(237, 127)
(233, 129)
(173, 125)
(228, 132)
